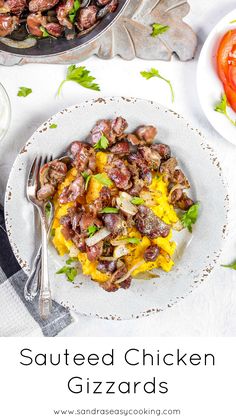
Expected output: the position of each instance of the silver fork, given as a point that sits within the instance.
(32, 283)
(33, 185)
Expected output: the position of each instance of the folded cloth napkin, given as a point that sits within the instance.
(17, 316)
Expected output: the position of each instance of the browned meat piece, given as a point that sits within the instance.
(94, 252)
(163, 150)
(138, 185)
(119, 173)
(151, 157)
(111, 286)
(102, 127)
(133, 139)
(45, 192)
(180, 178)
(119, 125)
(121, 148)
(63, 11)
(83, 155)
(105, 266)
(175, 196)
(54, 29)
(148, 224)
(102, 2)
(34, 22)
(15, 6)
(79, 242)
(138, 160)
(107, 249)
(87, 17)
(88, 220)
(67, 232)
(51, 175)
(151, 253)
(115, 223)
(73, 191)
(168, 168)
(8, 24)
(146, 134)
(41, 5)
(184, 203)
(112, 6)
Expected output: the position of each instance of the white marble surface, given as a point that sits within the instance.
(211, 309)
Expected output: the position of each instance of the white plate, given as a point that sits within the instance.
(209, 85)
(197, 254)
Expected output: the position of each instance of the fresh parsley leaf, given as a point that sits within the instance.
(72, 13)
(109, 210)
(81, 76)
(45, 32)
(87, 178)
(158, 29)
(53, 126)
(133, 240)
(48, 209)
(233, 21)
(103, 179)
(137, 201)
(71, 260)
(24, 91)
(231, 266)
(69, 271)
(221, 107)
(103, 143)
(190, 217)
(155, 73)
(92, 230)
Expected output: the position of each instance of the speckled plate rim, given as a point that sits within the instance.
(211, 157)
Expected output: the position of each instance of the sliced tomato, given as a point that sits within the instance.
(231, 96)
(232, 76)
(226, 47)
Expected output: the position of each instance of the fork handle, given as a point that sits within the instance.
(32, 283)
(45, 301)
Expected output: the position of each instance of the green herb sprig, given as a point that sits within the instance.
(87, 178)
(24, 91)
(102, 143)
(137, 201)
(92, 230)
(81, 76)
(190, 217)
(69, 271)
(230, 266)
(221, 107)
(109, 210)
(155, 73)
(158, 29)
(104, 180)
(73, 12)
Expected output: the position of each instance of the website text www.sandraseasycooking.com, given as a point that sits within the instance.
(118, 412)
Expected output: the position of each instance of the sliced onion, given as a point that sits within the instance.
(73, 252)
(147, 197)
(117, 242)
(120, 251)
(123, 278)
(124, 203)
(178, 186)
(107, 258)
(97, 237)
(178, 226)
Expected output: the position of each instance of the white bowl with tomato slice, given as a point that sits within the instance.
(216, 77)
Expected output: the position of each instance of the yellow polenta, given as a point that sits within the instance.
(159, 204)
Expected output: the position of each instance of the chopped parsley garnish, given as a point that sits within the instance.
(48, 209)
(109, 210)
(53, 126)
(158, 29)
(45, 32)
(231, 266)
(92, 230)
(81, 76)
(137, 201)
(103, 143)
(104, 180)
(133, 240)
(71, 260)
(87, 178)
(72, 13)
(24, 91)
(190, 217)
(69, 271)
(221, 107)
(155, 73)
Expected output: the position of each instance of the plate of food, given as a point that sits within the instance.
(216, 77)
(137, 225)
